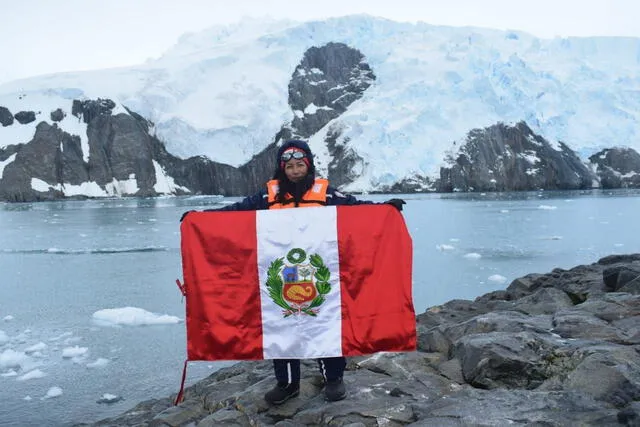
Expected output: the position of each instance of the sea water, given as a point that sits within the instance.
(63, 262)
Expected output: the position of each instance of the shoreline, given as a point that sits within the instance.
(560, 348)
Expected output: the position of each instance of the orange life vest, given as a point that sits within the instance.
(316, 196)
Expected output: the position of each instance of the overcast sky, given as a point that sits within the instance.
(46, 36)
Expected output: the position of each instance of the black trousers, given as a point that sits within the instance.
(288, 370)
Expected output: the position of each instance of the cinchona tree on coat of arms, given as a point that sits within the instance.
(298, 287)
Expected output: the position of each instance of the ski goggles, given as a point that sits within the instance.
(291, 154)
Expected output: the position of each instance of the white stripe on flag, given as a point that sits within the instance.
(300, 335)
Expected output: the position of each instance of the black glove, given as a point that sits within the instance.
(396, 203)
(184, 215)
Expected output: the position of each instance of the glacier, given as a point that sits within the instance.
(223, 92)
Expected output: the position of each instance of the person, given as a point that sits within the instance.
(295, 185)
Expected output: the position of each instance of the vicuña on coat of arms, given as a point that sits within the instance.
(297, 286)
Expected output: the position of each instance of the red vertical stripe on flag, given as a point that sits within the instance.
(219, 258)
(375, 252)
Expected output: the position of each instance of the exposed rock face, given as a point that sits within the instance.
(90, 109)
(120, 150)
(6, 118)
(617, 167)
(57, 115)
(504, 158)
(24, 117)
(326, 82)
(53, 156)
(557, 349)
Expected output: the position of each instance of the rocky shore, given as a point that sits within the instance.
(556, 349)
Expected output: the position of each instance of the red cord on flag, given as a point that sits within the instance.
(180, 395)
(183, 288)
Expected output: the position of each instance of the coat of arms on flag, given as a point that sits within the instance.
(297, 283)
(299, 288)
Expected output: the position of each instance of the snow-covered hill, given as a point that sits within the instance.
(223, 93)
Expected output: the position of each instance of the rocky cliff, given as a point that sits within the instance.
(513, 158)
(556, 349)
(123, 157)
(617, 167)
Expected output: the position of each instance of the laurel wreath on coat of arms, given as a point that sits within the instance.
(298, 287)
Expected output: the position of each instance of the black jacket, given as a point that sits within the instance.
(259, 201)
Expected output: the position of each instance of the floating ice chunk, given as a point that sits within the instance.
(14, 359)
(9, 373)
(547, 207)
(36, 373)
(504, 210)
(59, 337)
(72, 340)
(109, 398)
(35, 348)
(617, 245)
(444, 247)
(98, 363)
(27, 398)
(473, 255)
(53, 392)
(73, 352)
(8, 318)
(496, 278)
(453, 239)
(132, 316)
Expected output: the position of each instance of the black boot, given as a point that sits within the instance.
(334, 390)
(281, 393)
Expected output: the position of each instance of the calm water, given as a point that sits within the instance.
(60, 262)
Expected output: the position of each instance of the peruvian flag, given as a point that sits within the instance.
(297, 283)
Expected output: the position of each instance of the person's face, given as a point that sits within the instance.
(295, 170)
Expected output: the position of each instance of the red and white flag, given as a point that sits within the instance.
(297, 283)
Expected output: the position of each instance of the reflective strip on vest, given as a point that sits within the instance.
(316, 196)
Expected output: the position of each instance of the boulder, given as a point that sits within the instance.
(6, 118)
(57, 115)
(24, 117)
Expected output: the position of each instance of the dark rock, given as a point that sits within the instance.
(57, 115)
(629, 417)
(327, 80)
(615, 259)
(617, 167)
(578, 324)
(6, 118)
(505, 158)
(543, 301)
(24, 117)
(90, 109)
(625, 278)
(52, 156)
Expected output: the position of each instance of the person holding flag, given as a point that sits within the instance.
(295, 185)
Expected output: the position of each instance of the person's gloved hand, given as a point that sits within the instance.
(396, 203)
(185, 214)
